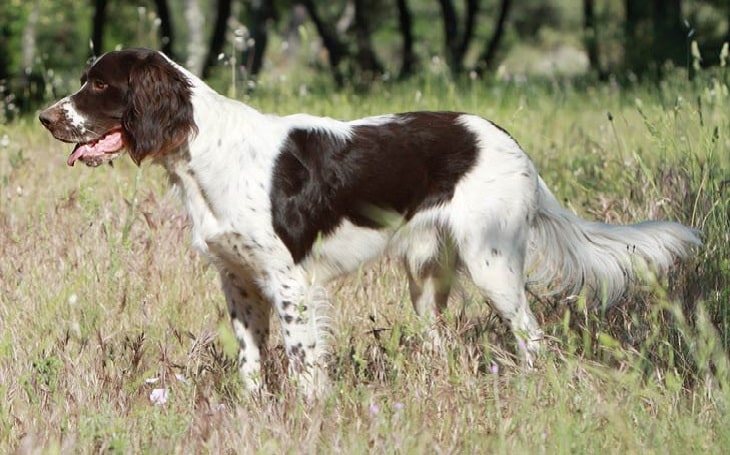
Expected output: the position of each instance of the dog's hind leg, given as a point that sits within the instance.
(429, 288)
(430, 265)
(496, 265)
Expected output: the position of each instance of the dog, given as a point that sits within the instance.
(282, 205)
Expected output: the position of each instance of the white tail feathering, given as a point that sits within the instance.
(566, 253)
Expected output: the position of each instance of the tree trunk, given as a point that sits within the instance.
(196, 47)
(218, 36)
(405, 23)
(455, 42)
(669, 36)
(4, 56)
(166, 34)
(590, 38)
(637, 36)
(335, 48)
(487, 60)
(472, 8)
(367, 61)
(262, 12)
(451, 33)
(97, 27)
(31, 82)
(28, 51)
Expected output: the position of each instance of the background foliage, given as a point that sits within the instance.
(359, 43)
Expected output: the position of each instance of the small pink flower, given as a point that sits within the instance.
(399, 406)
(374, 409)
(158, 396)
(494, 368)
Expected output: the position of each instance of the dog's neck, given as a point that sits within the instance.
(230, 158)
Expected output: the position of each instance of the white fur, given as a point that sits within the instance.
(562, 251)
(76, 121)
(74, 117)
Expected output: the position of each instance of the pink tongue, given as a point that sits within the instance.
(109, 143)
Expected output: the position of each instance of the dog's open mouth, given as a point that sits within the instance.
(98, 151)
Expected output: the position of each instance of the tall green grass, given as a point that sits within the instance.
(102, 300)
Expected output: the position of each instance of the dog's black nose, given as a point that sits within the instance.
(47, 118)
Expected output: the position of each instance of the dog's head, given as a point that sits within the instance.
(134, 100)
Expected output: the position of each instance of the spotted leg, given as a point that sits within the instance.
(250, 320)
(297, 304)
(275, 282)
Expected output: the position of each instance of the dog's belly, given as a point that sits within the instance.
(344, 250)
(349, 246)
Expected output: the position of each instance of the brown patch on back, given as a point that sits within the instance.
(404, 166)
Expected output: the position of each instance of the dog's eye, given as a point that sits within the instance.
(99, 85)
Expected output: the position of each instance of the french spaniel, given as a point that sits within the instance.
(281, 205)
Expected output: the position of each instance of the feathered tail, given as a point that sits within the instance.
(566, 253)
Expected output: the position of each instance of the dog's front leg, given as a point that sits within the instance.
(255, 271)
(300, 306)
(250, 321)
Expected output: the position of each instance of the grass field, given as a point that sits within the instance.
(102, 301)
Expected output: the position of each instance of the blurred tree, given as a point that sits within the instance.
(195, 48)
(218, 36)
(456, 40)
(590, 38)
(99, 19)
(638, 35)
(362, 38)
(487, 61)
(405, 25)
(29, 48)
(4, 53)
(669, 33)
(11, 14)
(368, 65)
(97, 27)
(653, 36)
(262, 13)
(30, 80)
(336, 49)
(166, 29)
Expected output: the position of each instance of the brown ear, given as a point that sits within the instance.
(159, 113)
